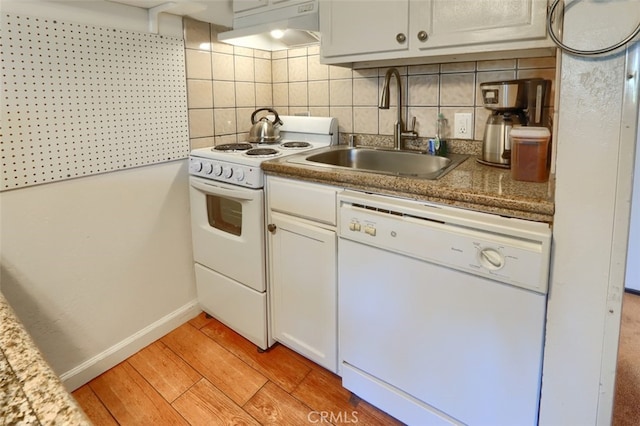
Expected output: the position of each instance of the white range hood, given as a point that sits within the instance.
(258, 28)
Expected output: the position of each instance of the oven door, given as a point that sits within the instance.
(227, 225)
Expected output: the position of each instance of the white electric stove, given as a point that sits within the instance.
(227, 223)
(239, 163)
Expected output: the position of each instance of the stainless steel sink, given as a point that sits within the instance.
(399, 163)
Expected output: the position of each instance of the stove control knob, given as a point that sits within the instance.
(239, 174)
(208, 168)
(217, 169)
(227, 172)
(196, 166)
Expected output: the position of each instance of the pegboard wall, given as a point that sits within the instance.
(81, 99)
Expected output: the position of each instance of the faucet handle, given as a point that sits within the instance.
(413, 124)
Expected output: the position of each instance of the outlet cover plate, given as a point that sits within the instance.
(463, 125)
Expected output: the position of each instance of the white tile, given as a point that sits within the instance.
(223, 66)
(293, 53)
(298, 94)
(423, 90)
(243, 119)
(315, 69)
(313, 49)
(365, 72)
(298, 69)
(281, 94)
(424, 69)
(456, 67)
(319, 111)
(245, 94)
(425, 120)
(401, 70)
(279, 54)
(224, 94)
(196, 35)
(546, 62)
(200, 123)
(205, 142)
(340, 92)
(279, 71)
(264, 95)
(344, 115)
(244, 68)
(198, 64)
(386, 120)
(319, 93)
(503, 64)
(263, 70)
(457, 89)
(262, 54)
(365, 120)
(242, 51)
(225, 120)
(365, 92)
(336, 72)
(199, 94)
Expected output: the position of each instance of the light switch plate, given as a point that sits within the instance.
(462, 125)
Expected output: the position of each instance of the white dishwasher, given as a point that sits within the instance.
(441, 310)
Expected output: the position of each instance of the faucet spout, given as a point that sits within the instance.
(399, 130)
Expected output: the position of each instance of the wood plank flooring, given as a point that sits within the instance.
(203, 373)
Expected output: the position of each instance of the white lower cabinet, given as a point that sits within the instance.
(303, 269)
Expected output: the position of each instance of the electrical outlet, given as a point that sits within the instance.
(462, 125)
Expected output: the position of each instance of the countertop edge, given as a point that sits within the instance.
(37, 391)
(536, 209)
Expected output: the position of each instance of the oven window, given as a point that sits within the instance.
(224, 214)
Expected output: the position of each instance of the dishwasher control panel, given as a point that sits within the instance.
(498, 251)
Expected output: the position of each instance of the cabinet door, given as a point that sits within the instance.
(474, 22)
(303, 288)
(351, 27)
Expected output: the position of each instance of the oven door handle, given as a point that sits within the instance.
(238, 194)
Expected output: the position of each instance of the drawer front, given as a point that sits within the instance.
(303, 199)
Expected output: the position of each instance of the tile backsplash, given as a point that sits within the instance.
(226, 84)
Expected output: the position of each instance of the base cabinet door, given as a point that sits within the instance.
(304, 288)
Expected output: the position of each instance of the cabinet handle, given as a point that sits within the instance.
(401, 38)
(271, 228)
(423, 36)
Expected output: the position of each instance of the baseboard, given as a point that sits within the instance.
(117, 353)
(636, 292)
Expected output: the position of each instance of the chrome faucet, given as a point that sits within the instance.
(400, 132)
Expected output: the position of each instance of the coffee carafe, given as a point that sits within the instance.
(513, 103)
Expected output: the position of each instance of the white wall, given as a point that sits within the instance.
(98, 267)
(593, 187)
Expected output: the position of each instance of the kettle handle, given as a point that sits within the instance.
(276, 120)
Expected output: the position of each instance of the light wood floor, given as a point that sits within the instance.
(203, 373)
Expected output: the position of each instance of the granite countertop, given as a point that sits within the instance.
(470, 185)
(30, 392)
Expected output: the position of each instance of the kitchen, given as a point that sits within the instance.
(66, 252)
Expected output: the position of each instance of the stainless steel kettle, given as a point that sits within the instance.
(265, 130)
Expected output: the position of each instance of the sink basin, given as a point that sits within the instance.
(399, 163)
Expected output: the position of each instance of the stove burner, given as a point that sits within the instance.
(233, 147)
(262, 152)
(295, 144)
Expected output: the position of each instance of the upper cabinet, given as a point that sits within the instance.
(361, 31)
(241, 6)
